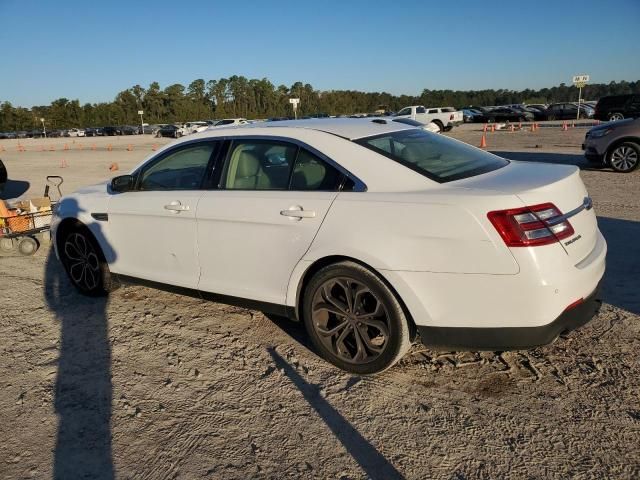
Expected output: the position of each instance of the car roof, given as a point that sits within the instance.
(349, 128)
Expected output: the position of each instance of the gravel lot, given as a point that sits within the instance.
(151, 385)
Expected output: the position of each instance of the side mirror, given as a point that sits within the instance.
(122, 183)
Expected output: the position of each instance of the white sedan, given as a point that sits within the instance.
(370, 231)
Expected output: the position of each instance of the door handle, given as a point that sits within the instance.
(297, 212)
(176, 207)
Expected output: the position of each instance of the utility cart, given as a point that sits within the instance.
(27, 223)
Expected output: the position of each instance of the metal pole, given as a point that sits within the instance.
(44, 129)
(141, 125)
(579, 100)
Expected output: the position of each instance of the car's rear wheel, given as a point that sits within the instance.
(85, 264)
(625, 157)
(616, 116)
(7, 245)
(354, 319)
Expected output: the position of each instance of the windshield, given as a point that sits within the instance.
(434, 156)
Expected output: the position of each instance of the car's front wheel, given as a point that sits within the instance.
(616, 116)
(625, 157)
(354, 319)
(84, 263)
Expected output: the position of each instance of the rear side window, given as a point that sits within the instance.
(312, 173)
(420, 110)
(434, 156)
(259, 165)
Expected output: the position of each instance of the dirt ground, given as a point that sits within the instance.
(151, 385)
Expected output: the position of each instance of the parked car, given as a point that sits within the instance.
(537, 113)
(615, 144)
(617, 107)
(74, 132)
(231, 121)
(151, 129)
(506, 114)
(565, 111)
(173, 131)
(55, 133)
(129, 130)
(324, 221)
(469, 115)
(111, 131)
(445, 117)
(196, 127)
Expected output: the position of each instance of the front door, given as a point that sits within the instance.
(153, 228)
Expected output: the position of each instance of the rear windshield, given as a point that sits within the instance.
(434, 156)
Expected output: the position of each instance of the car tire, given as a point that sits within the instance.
(624, 157)
(440, 125)
(84, 263)
(27, 246)
(354, 320)
(615, 116)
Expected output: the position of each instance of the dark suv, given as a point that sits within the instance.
(617, 107)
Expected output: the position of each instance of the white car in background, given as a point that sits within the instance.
(195, 127)
(228, 122)
(367, 230)
(75, 132)
(444, 117)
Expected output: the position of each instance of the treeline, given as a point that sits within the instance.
(238, 96)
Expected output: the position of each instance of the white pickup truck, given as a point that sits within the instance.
(444, 117)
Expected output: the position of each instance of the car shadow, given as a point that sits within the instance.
(374, 464)
(83, 389)
(620, 284)
(13, 189)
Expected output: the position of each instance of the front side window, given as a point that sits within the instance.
(183, 169)
(421, 110)
(258, 165)
(405, 111)
(434, 156)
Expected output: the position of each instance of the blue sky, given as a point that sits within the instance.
(92, 50)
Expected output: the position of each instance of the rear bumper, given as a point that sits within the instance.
(511, 338)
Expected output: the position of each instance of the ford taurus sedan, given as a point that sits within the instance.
(371, 232)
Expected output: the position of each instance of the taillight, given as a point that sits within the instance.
(531, 226)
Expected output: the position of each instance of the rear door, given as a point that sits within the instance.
(253, 229)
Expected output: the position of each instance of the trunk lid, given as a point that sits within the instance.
(537, 183)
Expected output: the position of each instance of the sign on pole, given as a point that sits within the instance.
(580, 81)
(294, 102)
(140, 112)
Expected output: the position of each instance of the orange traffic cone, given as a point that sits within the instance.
(564, 126)
(113, 167)
(109, 147)
(493, 128)
(483, 141)
(519, 125)
(512, 128)
(129, 148)
(1, 148)
(154, 147)
(93, 147)
(484, 129)
(573, 124)
(66, 146)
